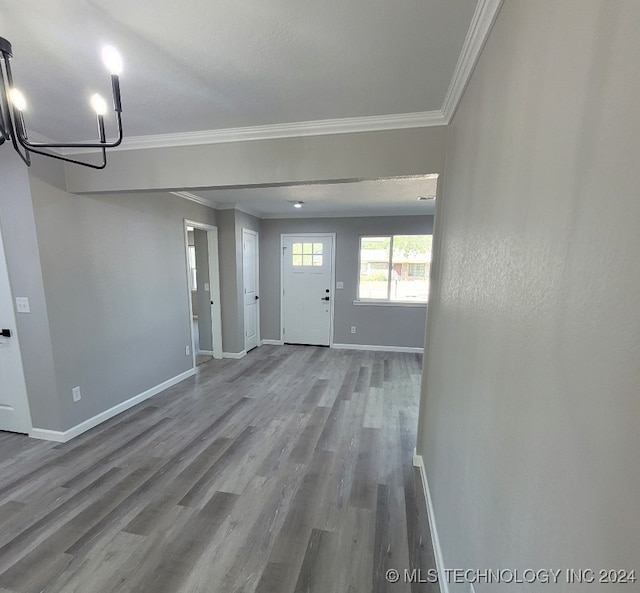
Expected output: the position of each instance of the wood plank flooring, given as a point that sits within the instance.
(288, 471)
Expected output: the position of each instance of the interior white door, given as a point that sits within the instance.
(307, 289)
(250, 285)
(14, 406)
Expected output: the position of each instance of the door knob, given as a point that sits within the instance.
(257, 297)
(324, 299)
(5, 333)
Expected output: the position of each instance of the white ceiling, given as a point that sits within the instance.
(381, 197)
(207, 65)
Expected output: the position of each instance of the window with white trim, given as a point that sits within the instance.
(395, 268)
(192, 267)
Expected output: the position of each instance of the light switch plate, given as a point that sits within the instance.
(206, 286)
(22, 305)
(339, 284)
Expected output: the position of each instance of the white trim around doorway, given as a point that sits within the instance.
(214, 286)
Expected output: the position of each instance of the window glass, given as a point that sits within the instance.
(192, 267)
(374, 268)
(307, 254)
(410, 267)
(395, 268)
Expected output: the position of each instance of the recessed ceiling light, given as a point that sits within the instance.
(296, 203)
(423, 198)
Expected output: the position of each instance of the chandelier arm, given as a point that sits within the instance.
(70, 160)
(11, 133)
(4, 108)
(22, 137)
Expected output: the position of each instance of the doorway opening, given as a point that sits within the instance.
(203, 282)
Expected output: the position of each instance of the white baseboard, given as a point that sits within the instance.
(67, 435)
(44, 434)
(205, 352)
(271, 343)
(235, 355)
(418, 462)
(378, 348)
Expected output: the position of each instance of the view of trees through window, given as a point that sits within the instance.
(395, 268)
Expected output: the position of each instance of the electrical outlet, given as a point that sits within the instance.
(339, 285)
(353, 329)
(187, 350)
(75, 393)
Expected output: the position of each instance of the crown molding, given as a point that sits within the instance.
(193, 198)
(321, 127)
(483, 18)
(238, 208)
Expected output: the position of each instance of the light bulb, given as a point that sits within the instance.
(112, 60)
(297, 205)
(99, 104)
(18, 100)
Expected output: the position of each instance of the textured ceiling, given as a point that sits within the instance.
(206, 65)
(382, 197)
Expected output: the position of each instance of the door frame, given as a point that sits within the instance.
(214, 286)
(24, 413)
(244, 313)
(333, 279)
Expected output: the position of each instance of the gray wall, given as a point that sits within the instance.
(230, 225)
(203, 297)
(375, 325)
(529, 417)
(115, 279)
(365, 155)
(25, 275)
(231, 333)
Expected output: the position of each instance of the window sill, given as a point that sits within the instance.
(409, 304)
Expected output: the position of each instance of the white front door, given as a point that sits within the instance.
(307, 289)
(14, 406)
(250, 285)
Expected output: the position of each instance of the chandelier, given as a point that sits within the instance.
(13, 104)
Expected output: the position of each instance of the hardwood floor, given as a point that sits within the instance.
(288, 471)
